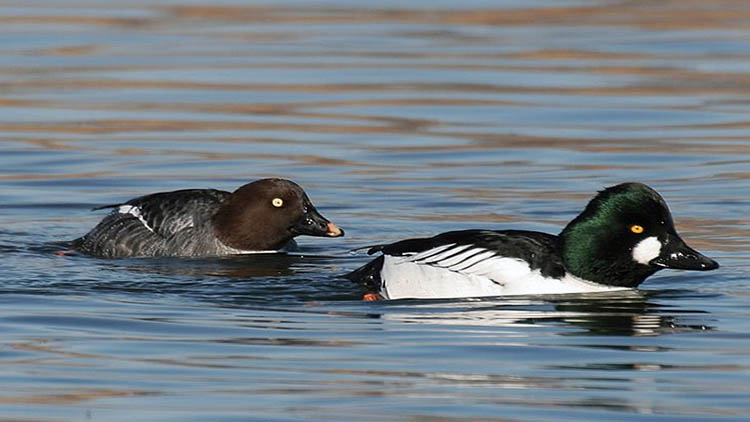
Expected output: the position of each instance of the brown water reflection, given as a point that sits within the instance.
(399, 121)
(665, 14)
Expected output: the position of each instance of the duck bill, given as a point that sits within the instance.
(678, 255)
(314, 224)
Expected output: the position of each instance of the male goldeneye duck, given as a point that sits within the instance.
(624, 235)
(262, 216)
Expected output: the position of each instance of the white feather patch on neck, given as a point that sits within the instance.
(646, 250)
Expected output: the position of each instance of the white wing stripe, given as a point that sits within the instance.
(443, 256)
(456, 258)
(496, 267)
(428, 253)
(471, 261)
(136, 212)
(466, 259)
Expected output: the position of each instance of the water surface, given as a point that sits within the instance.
(399, 120)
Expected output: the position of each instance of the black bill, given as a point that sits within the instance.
(678, 255)
(314, 224)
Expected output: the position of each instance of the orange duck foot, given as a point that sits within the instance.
(371, 297)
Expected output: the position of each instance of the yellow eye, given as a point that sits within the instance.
(277, 202)
(635, 228)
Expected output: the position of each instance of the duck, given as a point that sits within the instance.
(262, 216)
(624, 235)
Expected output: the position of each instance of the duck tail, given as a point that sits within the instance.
(106, 206)
(368, 274)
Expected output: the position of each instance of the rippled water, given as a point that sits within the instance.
(399, 119)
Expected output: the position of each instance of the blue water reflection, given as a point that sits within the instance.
(399, 120)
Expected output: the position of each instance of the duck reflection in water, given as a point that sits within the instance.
(623, 313)
(234, 267)
(234, 280)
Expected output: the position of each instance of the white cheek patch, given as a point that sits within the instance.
(646, 250)
(134, 211)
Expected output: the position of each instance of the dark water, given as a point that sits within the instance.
(399, 119)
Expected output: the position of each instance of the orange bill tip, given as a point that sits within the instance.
(334, 231)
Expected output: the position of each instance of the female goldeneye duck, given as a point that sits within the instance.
(624, 235)
(262, 216)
